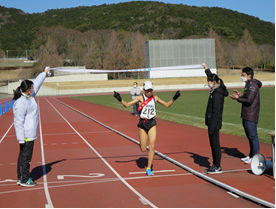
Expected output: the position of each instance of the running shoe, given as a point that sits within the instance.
(246, 160)
(213, 170)
(29, 183)
(18, 182)
(149, 172)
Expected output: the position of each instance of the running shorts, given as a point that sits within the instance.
(146, 124)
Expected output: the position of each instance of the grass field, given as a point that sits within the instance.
(190, 109)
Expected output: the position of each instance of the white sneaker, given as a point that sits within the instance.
(246, 160)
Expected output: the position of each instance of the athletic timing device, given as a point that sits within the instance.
(75, 70)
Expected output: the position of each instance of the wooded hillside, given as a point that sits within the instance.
(112, 36)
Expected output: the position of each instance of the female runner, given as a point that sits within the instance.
(147, 122)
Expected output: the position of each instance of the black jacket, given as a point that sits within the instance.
(251, 100)
(213, 116)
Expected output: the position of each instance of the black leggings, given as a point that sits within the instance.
(215, 147)
(24, 159)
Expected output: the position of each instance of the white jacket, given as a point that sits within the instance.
(25, 113)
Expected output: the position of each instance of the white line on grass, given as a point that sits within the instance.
(46, 190)
(203, 119)
(108, 165)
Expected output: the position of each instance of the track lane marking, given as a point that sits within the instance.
(6, 133)
(45, 184)
(107, 164)
(196, 173)
(143, 172)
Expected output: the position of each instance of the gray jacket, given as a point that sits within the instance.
(135, 91)
(25, 113)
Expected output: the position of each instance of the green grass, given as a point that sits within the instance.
(191, 106)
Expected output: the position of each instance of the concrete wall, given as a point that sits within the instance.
(45, 91)
(8, 89)
(179, 73)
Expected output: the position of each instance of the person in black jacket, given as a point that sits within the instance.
(250, 110)
(213, 116)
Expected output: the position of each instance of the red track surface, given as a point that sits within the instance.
(79, 163)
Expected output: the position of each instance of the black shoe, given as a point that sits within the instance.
(213, 170)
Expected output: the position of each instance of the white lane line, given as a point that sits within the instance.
(6, 133)
(81, 182)
(46, 189)
(232, 194)
(143, 172)
(108, 165)
(85, 182)
(232, 171)
(205, 177)
(68, 133)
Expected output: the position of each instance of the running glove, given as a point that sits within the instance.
(177, 94)
(117, 96)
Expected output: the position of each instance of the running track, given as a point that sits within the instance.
(79, 163)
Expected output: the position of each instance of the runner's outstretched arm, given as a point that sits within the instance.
(124, 103)
(169, 103)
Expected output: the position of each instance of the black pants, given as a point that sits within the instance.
(24, 159)
(215, 147)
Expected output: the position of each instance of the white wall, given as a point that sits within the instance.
(179, 73)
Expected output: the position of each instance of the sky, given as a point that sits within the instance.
(263, 9)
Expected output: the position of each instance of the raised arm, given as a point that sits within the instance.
(169, 103)
(207, 70)
(124, 103)
(40, 79)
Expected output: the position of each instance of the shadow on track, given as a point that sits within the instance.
(37, 172)
(200, 160)
(234, 152)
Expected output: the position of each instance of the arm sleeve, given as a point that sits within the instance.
(38, 82)
(249, 97)
(208, 72)
(19, 111)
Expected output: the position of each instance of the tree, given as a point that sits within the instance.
(220, 52)
(48, 55)
(249, 54)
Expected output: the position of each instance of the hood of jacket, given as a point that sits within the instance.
(221, 90)
(255, 82)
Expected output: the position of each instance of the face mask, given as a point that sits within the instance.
(244, 79)
(134, 86)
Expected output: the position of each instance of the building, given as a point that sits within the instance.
(162, 53)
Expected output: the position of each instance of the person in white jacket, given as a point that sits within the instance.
(25, 113)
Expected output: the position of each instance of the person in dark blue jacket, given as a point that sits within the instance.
(213, 116)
